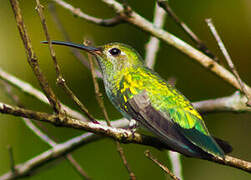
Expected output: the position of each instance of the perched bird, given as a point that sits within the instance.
(141, 94)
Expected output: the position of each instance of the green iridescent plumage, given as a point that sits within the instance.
(141, 94)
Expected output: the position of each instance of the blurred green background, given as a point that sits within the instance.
(100, 159)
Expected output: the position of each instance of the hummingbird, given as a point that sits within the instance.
(140, 94)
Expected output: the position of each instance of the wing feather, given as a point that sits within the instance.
(190, 141)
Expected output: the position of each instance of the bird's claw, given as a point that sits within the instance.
(133, 125)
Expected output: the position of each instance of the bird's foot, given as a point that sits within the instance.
(133, 125)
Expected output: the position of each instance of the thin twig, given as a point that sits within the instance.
(124, 160)
(102, 22)
(152, 46)
(39, 9)
(32, 59)
(228, 59)
(200, 45)
(74, 51)
(44, 137)
(149, 155)
(102, 106)
(12, 161)
(76, 100)
(77, 166)
(60, 79)
(144, 25)
(96, 88)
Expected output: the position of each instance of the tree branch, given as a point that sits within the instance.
(121, 135)
(152, 46)
(164, 168)
(233, 103)
(102, 22)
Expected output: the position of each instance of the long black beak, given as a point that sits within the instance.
(90, 49)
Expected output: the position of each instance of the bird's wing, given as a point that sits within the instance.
(197, 134)
(183, 137)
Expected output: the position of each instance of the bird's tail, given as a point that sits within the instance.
(225, 146)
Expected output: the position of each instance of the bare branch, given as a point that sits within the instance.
(102, 22)
(121, 135)
(124, 160)
(141, 23)
(32, 59)
(164, 168)
(44, 137)
(76, 100)
(229, 60)
(77, 166)
(200, 45)
(12, 162)
(152, 46)
(233, 103)
(39, 9)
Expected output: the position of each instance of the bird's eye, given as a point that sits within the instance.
(114, 51)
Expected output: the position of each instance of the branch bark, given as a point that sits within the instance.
(102, 22)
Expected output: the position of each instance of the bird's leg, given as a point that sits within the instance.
(133, 125)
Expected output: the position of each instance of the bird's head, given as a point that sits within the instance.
(111, 57)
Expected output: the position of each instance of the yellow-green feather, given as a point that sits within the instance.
(162, 96)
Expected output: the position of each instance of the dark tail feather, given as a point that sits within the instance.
(225, 146)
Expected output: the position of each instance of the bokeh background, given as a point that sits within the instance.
(100, 159)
